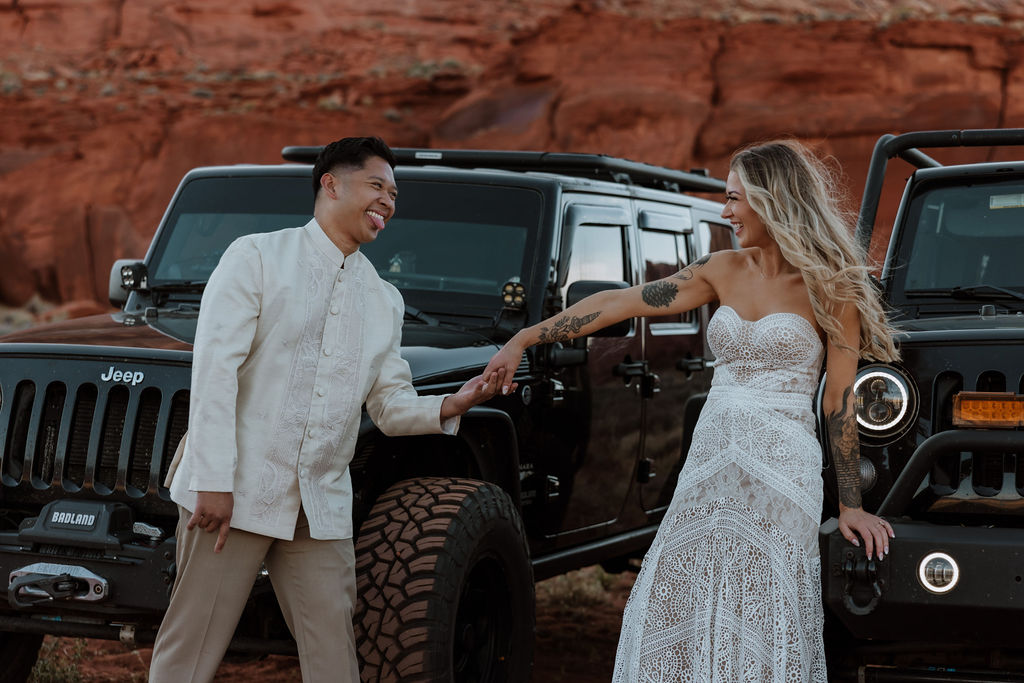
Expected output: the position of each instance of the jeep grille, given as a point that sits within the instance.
(993, 476)
(110, 439)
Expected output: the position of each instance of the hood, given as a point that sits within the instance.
(1013, 320)
(431, 351)
(174, 331)
(965, 328)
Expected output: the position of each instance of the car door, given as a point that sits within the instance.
(675, 347)
(601, 413)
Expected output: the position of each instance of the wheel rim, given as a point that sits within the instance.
(483, 624)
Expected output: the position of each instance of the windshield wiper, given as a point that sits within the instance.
(969, 293)
(416, 314)
(984, 292)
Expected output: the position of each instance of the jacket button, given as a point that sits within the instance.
(327, 352)
(334, 310)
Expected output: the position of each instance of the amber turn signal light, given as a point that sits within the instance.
(988, 409)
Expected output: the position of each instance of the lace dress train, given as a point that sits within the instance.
(730, 588)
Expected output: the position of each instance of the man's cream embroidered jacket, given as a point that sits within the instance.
(293, 338)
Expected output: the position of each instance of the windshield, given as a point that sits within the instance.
(211, 213)
(451, 237)
(445, 237)
(965, 236)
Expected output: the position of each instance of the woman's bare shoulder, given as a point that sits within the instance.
(721, 261)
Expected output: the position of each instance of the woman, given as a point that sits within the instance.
(730, 588)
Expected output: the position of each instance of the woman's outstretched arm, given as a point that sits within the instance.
(689, 288)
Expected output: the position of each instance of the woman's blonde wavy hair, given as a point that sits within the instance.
(795, 195)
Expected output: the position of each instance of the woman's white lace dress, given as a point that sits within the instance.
(730, 590)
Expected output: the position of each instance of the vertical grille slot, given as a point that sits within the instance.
(175, 430)
(110, 440)
(17, 432)
(49, 433)
(946, 473)
(78, 440)
(987, 475)
(991, 381)
(140, 455)
(987, 471)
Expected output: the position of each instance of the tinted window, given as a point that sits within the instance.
(964, 236)
(457, 238)
(597, 254)
(664, 255)
(444, 237)
(211, 213)
(719, 236)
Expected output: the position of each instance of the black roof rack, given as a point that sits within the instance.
(596, 166)
(905, 147)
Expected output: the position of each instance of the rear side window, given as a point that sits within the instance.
(597, 254)
(664, 254)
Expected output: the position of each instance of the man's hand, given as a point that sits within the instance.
(474, 392)
(213, 514)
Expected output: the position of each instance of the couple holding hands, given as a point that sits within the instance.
(297, 332)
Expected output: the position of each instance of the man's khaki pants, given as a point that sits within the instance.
(314, 582)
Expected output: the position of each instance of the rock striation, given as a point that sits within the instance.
(104, 104)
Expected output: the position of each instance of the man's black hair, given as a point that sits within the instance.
(349, 153)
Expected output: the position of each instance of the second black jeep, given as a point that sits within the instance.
(941, 431)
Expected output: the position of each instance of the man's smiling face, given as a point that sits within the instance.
(363, 201)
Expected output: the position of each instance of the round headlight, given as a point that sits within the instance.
(884, 399)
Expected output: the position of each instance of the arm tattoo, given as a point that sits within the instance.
(687, 272)
(842, 436)
(659, 294)
(565, 328)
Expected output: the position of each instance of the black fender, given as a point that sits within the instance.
(489, 436)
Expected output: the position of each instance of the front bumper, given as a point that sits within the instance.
(888, 599)
(86, 558)
(899, 598)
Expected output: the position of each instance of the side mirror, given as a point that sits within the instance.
(581, 289)
(127, 275)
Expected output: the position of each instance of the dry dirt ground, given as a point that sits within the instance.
(578, 617)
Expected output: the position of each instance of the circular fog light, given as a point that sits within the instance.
(938, 573)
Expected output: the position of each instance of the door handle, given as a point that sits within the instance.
(691, 365)
(629, 369)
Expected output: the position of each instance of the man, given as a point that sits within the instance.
(295, 333)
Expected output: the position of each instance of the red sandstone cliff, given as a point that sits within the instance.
(104, 104)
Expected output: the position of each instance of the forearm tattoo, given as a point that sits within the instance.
(565, 328)
(842, 437)
(687, 272)
(659, 294)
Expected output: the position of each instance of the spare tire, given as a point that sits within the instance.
(445, 586)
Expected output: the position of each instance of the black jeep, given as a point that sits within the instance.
(576, 468)
(942, 431)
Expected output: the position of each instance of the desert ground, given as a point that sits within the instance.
(578, 617)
